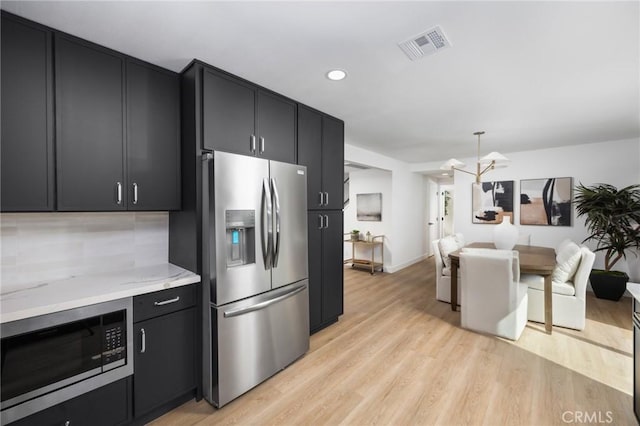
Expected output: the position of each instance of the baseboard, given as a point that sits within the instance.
(396, 268)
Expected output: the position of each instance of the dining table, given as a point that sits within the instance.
(533, 260)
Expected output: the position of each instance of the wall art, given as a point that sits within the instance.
(546, 201)
(369, 207)
(491, 201)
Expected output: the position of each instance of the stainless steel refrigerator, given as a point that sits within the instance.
(255, 262)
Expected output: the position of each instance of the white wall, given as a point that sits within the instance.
(616, 163)
(405, 239)
(39, 247)
(366, 182)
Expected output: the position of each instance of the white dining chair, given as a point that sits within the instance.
(493, 299)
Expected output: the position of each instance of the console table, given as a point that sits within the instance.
(377, 241)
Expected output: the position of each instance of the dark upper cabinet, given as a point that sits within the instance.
(333, 163)
(228, 114)
(27, 168)
(276, 123)
(239, 117)
(326, 283)
(321, 149)
(73, 151)
(153, 138)
(310, 154)
(89, 127)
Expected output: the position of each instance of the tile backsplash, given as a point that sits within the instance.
(37, 247)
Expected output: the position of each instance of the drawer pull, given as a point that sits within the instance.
(166, 302)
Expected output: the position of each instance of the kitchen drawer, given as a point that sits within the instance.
(109, 405)
(163, 302)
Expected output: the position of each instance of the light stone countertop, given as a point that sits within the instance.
(59, 295)
(634, 289)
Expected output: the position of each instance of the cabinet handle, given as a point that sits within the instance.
(326, 198)
(320, 222)
(261, 145)
(166, 302)
(321, 198)
(326, 221)
(118, 193)
(143, 338)
(135, 193)
(253, 143)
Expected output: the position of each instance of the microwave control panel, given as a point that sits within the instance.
(115, 338)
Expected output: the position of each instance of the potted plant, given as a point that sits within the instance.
(355, 235)
(613, 221)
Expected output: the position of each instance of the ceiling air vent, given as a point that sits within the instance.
(426, 43)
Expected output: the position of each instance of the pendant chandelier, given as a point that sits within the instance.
(483, 165)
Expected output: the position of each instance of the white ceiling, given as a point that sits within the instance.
(532, 74)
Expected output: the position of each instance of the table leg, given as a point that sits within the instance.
(454, 285)
(548, 304)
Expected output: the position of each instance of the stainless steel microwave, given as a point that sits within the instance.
(52, 358)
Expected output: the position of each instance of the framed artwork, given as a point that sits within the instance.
(546, 201)
(369, 207)
(491, 201)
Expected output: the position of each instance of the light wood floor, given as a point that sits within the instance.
(399, 357)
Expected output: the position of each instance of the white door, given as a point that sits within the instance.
(432, 214)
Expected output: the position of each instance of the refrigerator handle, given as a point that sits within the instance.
(265, 304)
(266, 225)
(276, 206)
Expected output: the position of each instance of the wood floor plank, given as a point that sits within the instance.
(399, 357)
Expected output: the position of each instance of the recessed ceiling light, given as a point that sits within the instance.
(336, 75)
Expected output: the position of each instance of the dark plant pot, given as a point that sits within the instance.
(608, 285)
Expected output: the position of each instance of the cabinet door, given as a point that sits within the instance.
(332, 266)
(276, 124)
(153, 139)
(108, 405)
(333, 162)
(314, 225)
(228, 114)
(165, 366)
(310, 153)
(90, 132)
(27, 118)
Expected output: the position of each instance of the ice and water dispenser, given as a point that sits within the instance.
(241, 226)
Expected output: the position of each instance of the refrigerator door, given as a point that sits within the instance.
(258, 337)
(289, 192)
(240, 214)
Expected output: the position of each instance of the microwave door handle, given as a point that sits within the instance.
(266, 224)
(276, 203)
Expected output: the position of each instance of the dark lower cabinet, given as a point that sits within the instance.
(109, 405)
(326, 283)
(164, 352)
(27, 117)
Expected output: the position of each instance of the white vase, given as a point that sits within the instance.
(505, 235)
